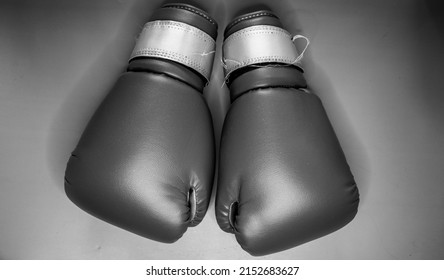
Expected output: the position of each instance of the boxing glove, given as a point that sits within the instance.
(283, 179)
(145, 161)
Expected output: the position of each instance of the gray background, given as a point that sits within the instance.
(377, 65)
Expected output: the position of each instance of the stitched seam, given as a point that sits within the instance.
(300, 89)
(245, 33)
(169, 76)
(198, 63)
(173, 56)
(249, 17)
(193, 11)
(270, 58)
(179, 26)
(255, 60)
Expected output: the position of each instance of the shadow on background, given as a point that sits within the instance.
(320, 84)
(95, 83)
(402, 92)
(80, 104)
(430, 60)
(436, 11)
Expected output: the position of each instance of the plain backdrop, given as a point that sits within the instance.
(377, 66)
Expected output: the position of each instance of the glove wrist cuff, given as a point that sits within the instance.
(266, 77)
(179, 42)
(256, 45)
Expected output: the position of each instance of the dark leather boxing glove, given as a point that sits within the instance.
(145, 161)
(283, 179)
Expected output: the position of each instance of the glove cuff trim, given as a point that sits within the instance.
(179, 42)
(257, 45)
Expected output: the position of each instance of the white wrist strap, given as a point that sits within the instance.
(260, 44)
(179, 42)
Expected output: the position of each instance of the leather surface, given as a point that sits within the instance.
(262, 77)
(281, 162)
(145, 161)
(147, 145)
(169, 68)
(380, 85)
(283, 177)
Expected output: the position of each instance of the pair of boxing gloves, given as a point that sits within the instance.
(146, 159)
